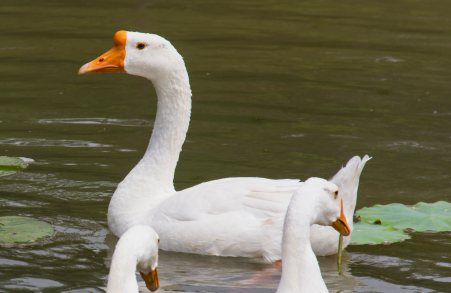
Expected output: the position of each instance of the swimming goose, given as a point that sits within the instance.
(227, 217)
(317, 201)
(137, 249)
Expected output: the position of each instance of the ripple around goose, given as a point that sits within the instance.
(227, 217)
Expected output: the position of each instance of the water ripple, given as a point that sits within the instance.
(101, 121)
(49, 184)
(39, 142)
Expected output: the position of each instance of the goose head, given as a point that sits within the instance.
(329, 205)
(316, 201)
(146, 55)
(146, 240)
(136, 250)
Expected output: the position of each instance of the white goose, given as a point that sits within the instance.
(317, 201)
(137, 249)
(227, 217)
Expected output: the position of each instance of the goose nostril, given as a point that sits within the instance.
(101, 59)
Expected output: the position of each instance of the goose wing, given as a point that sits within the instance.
(229, 217)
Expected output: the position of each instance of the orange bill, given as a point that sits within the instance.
(341, 225)
(151, 279)
(111, 61)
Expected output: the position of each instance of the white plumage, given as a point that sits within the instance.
(228, 217)
(318, 202)
(137, 249)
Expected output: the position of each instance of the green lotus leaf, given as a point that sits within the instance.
(420, 217)
(365, 233)
(11, 164)
(23, 230)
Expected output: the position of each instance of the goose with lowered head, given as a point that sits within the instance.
(137, 249)
(227, 217)
(317, 201)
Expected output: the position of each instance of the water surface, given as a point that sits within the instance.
(281, 89)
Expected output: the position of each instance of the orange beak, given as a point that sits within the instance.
(111, 61)
(341, 225)
(151, 279)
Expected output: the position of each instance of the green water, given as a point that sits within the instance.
(281, 89)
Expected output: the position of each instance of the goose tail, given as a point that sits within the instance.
(347, 180)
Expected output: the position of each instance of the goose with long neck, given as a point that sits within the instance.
(317, 201)
(228, 217)
(137, 249)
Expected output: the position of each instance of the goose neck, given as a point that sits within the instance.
(300, 269)
(170, 128)
(151, 180)
(122, 276)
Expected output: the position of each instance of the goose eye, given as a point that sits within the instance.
(336, 193)
(158, 240)
(140, 46)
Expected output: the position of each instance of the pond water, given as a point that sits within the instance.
(281, 89)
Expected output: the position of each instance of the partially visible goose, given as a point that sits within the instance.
(137, 249)
(227, 217)
(317, 201)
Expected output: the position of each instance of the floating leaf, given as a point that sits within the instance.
(20, 230)
(420, 217)
(365, 233)
(11, 164)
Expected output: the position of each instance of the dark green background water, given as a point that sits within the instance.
(281, 89)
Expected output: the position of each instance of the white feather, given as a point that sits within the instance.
(313, 203)
(229, 217)
(137, 249)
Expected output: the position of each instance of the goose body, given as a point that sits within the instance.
(137, 249)
(227, 217)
